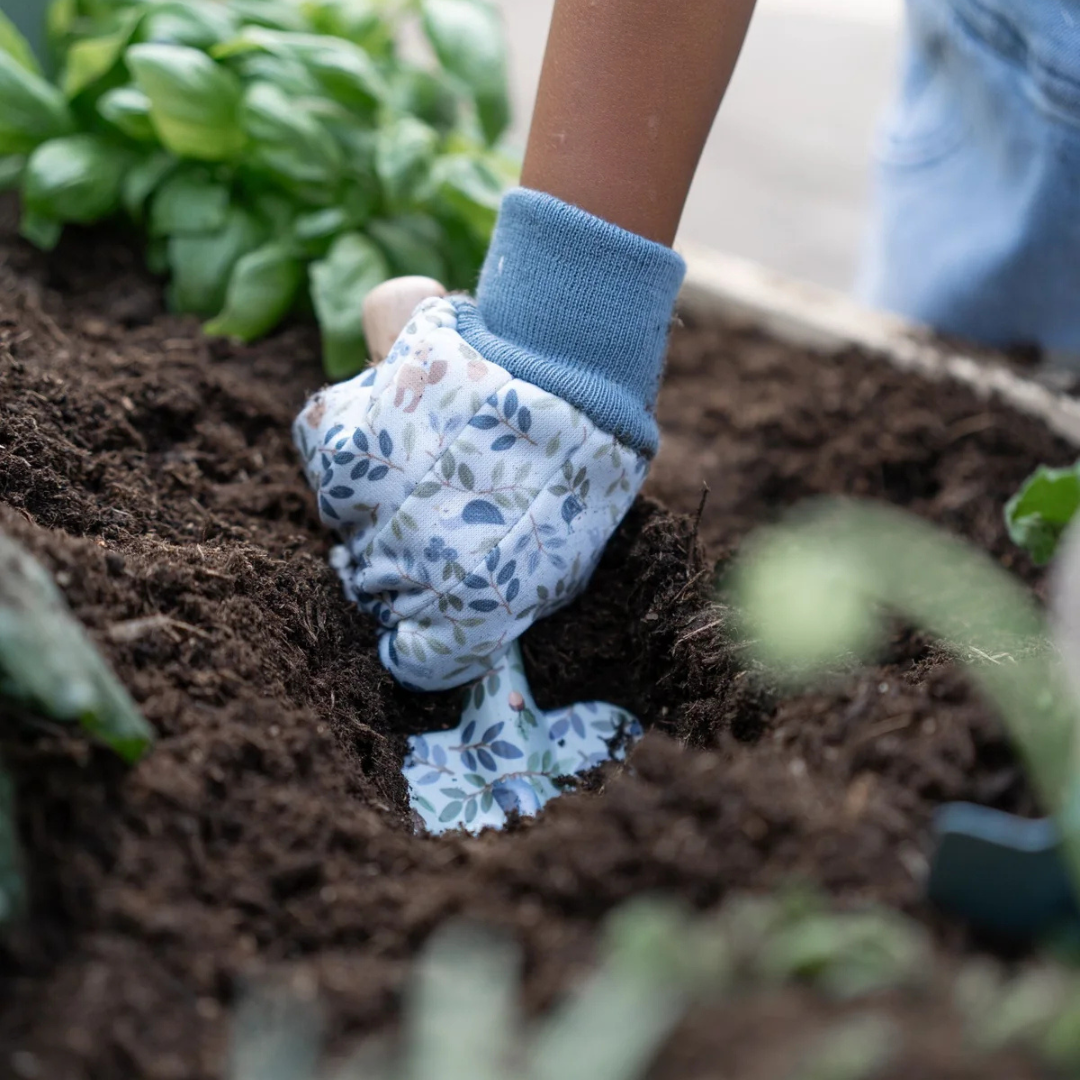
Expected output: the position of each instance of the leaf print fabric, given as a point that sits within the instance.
(506, 754)
(469, 503)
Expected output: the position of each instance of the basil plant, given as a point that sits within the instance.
(277, 155)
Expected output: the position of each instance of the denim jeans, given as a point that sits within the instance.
(976, 227)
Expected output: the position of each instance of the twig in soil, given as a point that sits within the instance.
(133, 629)
(697, 526)
(700, 630)
(697, 577)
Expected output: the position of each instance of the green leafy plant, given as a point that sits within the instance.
(49, 666)
(814, 593)
(279, 155)
(1040, 512)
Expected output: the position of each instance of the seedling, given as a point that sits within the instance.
(1040, 512)
(814, 593)
(278, 156)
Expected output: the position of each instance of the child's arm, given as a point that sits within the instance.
(627, 97)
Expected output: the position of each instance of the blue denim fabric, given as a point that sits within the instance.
(976, 228)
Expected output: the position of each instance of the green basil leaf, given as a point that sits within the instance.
(343, 70)
(468, 39)
(93, 58)
(290, 144)
(76, 178)
(31, 109)
(315, 231)
(277, 210)
(203, 264)
(47, 660)
(286, 74)
(412, 244)
(429, 96)
(59, 22)
(272, 14)
(16, 46)
(128, 109)
(261, 291)
(11, 171)
(464, 252)
(404, 152)
(191, 201)
(469, 187)
(194, 102)
(362, 22)
(198, 23)
(339, 285)
(42, 231)
(1040, 512)
(143, 179)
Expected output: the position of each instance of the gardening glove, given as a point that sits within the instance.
(476, 475)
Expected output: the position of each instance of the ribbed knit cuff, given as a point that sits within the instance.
(580, 308)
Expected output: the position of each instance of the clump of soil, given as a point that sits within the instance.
(151, 471)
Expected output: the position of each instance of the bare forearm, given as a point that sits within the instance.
(628, 95)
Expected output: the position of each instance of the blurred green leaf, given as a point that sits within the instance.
(315, 231)
(343, 70)
(128, 109)
(194, 102)
(200, 24)
(143, 179)
(849, 554)
(11, 170)
(287, 74)
(404, 152)
(469, 186)
(31, 109)
(49, 664)
(363, 22)
(290, 144)
(16, 46)
(412, 244)
(93, 58)
(190, 201)
(339, 285)
(73, 179)
(261, 291)
(468, 38)
(1040, 512)
(42, 231)
(202, 264)
(427, 95)
(272, 14)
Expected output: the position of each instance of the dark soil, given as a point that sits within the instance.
(151, 471)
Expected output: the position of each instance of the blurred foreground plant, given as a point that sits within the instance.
(462, 1020)
(49, 667)
(816, 591)
(278, 154)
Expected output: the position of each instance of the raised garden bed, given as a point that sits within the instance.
(151, 470)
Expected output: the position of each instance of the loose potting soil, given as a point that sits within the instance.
(151, 470)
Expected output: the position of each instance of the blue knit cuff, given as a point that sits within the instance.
(580, 308)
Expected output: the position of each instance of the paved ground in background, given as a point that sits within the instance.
(785, 177)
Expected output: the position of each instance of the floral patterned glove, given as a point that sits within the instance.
(469, 503)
